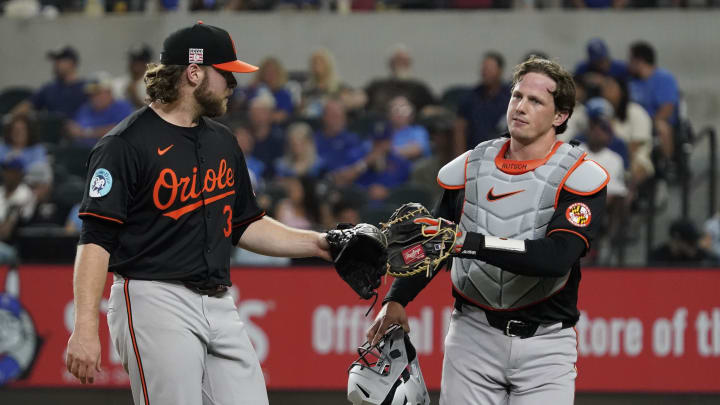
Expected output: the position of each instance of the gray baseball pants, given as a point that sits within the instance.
(183, 348)
(483, 366)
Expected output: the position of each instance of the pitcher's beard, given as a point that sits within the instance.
(208, 104)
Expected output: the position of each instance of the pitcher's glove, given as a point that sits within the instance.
(417, 242)
(359, 254)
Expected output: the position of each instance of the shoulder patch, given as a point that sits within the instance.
(100, 184)
(452, 175)
(587, 179)
(578, 214)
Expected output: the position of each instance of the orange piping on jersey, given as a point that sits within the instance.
(100, 216)
(521, 166)
(587, 244)
(447, 187)
(192, 207)
(134, 342)
(567, 175)
(607, 179)
(253, 219)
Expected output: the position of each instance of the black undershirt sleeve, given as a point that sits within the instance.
(101, 233)
(552, 256)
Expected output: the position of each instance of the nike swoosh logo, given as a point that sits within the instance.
(163, 151)
(495, 197)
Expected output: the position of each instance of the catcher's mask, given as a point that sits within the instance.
(387, 373)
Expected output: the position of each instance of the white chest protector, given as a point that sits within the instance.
(510, 199)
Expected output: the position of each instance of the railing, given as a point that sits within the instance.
(687, 181)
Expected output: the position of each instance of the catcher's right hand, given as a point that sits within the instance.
(417, 242)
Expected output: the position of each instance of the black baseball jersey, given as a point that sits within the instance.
(181, 198)
(561, 249)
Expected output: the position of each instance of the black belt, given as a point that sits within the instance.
(209, 291)
(510, 327)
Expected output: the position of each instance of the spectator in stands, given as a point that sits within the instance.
(131, 86)
(100, 114)
(65, 94)
(256, 168)
(39, 178)
(578, 122)
(683, 248)
(601, 112)
(599, 61)
(269, 137)
(408, 140)
(597, 145)
(300, 158)
(301, 208)
(482, 115)
(632, 124)
(656, 90)
(73, 224)
(710, 240)
(383, 170)
(323, 83)
(19, 141)
(344, 211)
(271, 78)
(17, 204)
(424, 171)
(340, 150)
(401, 82)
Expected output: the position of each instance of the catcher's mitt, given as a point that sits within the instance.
(417, 242)
(359, 255)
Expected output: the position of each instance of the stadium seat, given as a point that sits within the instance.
(366, 125)
(73, 159)
(410, 193)
(50, 128)
(12, 96)
(453, 96)
(374, 214)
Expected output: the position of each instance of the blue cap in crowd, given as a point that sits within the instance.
(597, 50)
(599, 109)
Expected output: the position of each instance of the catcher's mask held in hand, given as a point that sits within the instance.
(416, 241)
(387, 373)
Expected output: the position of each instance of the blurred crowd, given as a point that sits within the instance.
(321, 151)
(52, 8)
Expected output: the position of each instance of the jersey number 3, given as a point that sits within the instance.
(228, 225)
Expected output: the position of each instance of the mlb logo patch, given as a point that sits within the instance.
(195, 55)
(413, 254)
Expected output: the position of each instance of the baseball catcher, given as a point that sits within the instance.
(359, 254)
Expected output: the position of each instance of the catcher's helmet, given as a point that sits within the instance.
(387, 373)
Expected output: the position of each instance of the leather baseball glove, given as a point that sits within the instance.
(359, 254)
(417, 242)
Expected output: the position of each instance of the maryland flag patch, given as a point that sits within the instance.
(578, 214)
